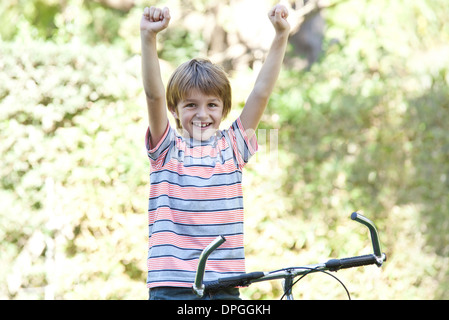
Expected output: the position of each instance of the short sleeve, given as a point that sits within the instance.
(157, 154)
(243, 147)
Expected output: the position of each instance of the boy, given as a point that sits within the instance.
(196, 191)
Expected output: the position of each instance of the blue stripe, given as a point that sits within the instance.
(196, 177)
(194, 185)
(192, 230)
(188, 180)
(197, 225)
(188, 276)
(183, 210)
(191, 249)
(209, 259)
(193, 253)
(200, 200)
(204, 157)
(195, 235)
(186, 271)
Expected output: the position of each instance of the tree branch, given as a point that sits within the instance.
(304, 12)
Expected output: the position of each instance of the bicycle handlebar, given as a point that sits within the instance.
(373, 231)
(246, 279)
(198, 286)
(346, 263)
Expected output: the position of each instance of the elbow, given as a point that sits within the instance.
(261, 95)
(154, 98)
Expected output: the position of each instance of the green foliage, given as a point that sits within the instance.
(364, 129)
(72, 171)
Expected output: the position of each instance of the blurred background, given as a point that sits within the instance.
(358, 122)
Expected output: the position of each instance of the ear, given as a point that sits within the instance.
(175, 113)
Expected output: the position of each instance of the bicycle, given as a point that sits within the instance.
(288, 274)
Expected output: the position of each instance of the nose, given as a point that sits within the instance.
(201, 112)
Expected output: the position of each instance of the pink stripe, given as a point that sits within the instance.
(215, 217)
(157, 164)
(202, 172)
(189, 193)
(169, 284)
(157, 264)
(188, 242)
(202, 151)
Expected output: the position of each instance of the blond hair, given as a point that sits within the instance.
(200, 74)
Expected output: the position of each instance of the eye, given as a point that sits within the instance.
(190, 105)
(213, 105)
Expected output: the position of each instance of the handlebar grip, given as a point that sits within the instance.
(215, 285)
(229, 282)
(345, 263)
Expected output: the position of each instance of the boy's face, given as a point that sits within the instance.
(200, 115)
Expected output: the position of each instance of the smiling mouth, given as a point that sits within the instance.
(202, 125)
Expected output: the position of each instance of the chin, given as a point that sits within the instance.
(205, 135)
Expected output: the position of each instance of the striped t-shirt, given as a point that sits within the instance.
(196, 195)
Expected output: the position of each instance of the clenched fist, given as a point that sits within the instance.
(155, 19)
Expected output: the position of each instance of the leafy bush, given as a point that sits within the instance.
(363, 130)
(73, 173)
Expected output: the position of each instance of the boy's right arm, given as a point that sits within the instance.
(153, 21)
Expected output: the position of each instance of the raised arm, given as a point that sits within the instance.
(153, 21)
(266, 80)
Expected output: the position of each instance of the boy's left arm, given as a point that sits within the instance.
(266, 80)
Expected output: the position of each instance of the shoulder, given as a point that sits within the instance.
(238, 133)
(169, 140)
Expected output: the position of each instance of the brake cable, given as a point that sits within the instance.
(307, 273)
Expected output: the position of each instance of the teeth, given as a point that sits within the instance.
(202, 125)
